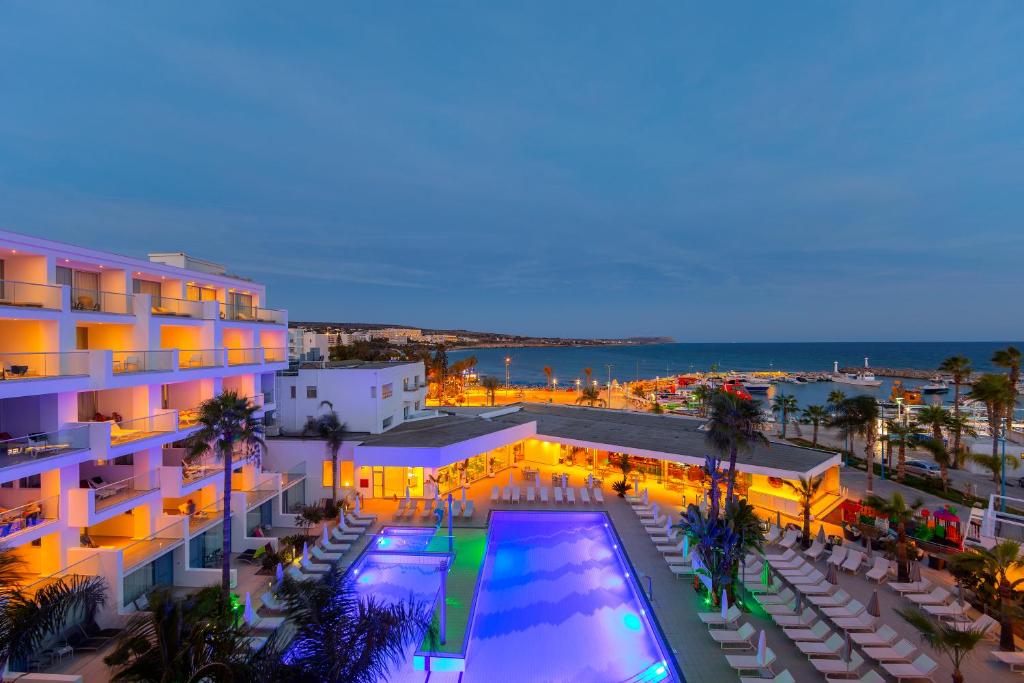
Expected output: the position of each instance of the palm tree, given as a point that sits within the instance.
(996, 392)
(548, 373)
(28, 619)
(440, 370)
(490, 385)
(590, 395)
(815, 416)
(588, 373)
(997, 563)
(942, 456)
(702, 394)
(331, 429)
(957, 642)
(993, 463)
(864, 413)
(805, 490)
(784, 405)
(342, 638)
(935, 417)
(896, 510)
(226, 420)
(960, 426)
(845, 417)
(187, 640)
(732, 427)
(959, 367)
(1009, 358)
(835, 397)
(903, 434)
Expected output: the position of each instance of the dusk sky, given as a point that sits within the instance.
(764, 171)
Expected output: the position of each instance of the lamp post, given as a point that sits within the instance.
(609, 366)
(1002, 478)
(508, 361)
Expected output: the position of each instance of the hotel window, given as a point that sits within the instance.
(147, 287)
(292, 387)
(386, 423)
(386, 391)
(199, 293)
(310, 392)
(373, 392)
(85, 287)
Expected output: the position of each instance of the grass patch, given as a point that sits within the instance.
(463, 575)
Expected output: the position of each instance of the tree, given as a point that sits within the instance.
(588, 373)
(935, 417)
(590, 395)
(997, 393)
(27, 619)
(896, 510)
(548, 375)
(1009, 358)
(993, 463)
(490, 385)
(859, 415)
(959, 367)
(440, 367)
(805, 490)
(331, 429)
(835, 397)
(846, 419)
(733, 427)
(960, 426)
(956, 642)
(702, 395)
(193, 639)
(816, 416)
(942, 456)
(226, 421)
(997, 562)
(903, 435)
(784, 405)
(342, 638)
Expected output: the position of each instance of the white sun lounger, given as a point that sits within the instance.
(310, 567)
(598, 496)
(660, 531)
(906, 588)
(811, 579)
(558, 494)
(531, 494)
(272, 603)
(584, 496)
(783, 597)
(900, 652)
(938, 596)
(870, 676)
(495, 494)
(815, 551)
(570, 495)
(671, 536)
(411, 512)
(862, 622)
(359, 522)
(515, 494)
(773, 535)
(428, 511)
(335, 547)
(1015, 660)
(851, 609)
(467, 512)
(785, 608)
(789, 553)
(740, 639)
(984, 622)
(796, 572)
(838, 666)
(673, 549)
(817, 633)
(783, 677)
(343, 534)
(401, 508)
(506, 494)
(802, 620)
(829, 648)
(880, 638)
(678, 560)
(837, 599)
(710, 619)
(681, 569)
(879, 570)
(823, 588)
(922, 667)
(296, 574)
(953, 610)
(751, 662)
(838, 555)
(853, 561)
(544, 494)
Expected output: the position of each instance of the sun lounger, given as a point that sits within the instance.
(467, 512)
(802, 620)
(954, 611)
(598, 496)
(880, 638)
(584, 496)
(332, 547)
(660, 531)
(811, 579)
(861, 622)
(710, 619)
(531, 494)
(1015, 660)
(816, 550)
(786, 608)
(838, 666)
(789, 554)
(900, 652)
(773, 535)
(817, 633)
(570, 495)
(672, 535)
(658, 522)
(879, 570)
(870, 676)
(790, 538)
(681, 569)
(255, 643)
(982, 623)
(797, 572)
(544, 494)
(495, 494)
(922, 586)
(679, 559)
(649, 512)
(783, 677)
(741, 639)
(401, 508)
(368, 517)
(311, 567)
(411, 512)
(938, 596)
(853, 561)
(750, 662)
(361, 522)
(784, 596)
(673, 549)
(515, 495)
(272, 603)
(506, 494)
(829, 648)
(837, 599)
(851, 609)
(297, 574)
(922, 667)
(838, 555)
(325, 555)
(558, 494)
(343, 534)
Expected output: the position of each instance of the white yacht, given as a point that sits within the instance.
(860, 379)
(936, 386)
(757, 386)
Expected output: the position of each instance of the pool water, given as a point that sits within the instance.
(403, 539)
(558, 602)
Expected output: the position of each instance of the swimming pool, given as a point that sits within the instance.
(403, 539)
(557, 601)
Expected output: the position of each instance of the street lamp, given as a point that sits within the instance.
(508, 361)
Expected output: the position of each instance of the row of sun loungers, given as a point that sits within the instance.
(567, 495)
(408, 508)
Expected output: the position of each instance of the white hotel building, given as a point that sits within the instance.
(104, 361)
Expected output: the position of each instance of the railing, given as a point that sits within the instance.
(268, 397)
(245, 356)
(34, 447)
(86, 567)
(18, 519)
(205, 517)
(188, 417)
(144, 549)
(126, 362)
(414, 386)
(192, 473)
(30, 295)
(182, 308)
(35, 365)
(95, 301)
(260, 493)
(251, 314)
(192, 359)
(296, 474)
(126, 489)
(275, 354)
(140, 428)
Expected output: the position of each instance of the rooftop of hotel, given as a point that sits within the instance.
(356, 364)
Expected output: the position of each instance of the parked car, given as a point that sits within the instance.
(923, 468)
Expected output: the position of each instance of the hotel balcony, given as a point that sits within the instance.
(197, 359)
(35, 373)
(26, 522)
(245, 356)
(94, 301)
(251, 314)
(35, 448)
(98, 500)
(261, 493)
(275, 355)
(127, 362)
(31, 295)
(128, 435)
(181, 308)
(179, 478)
(138, 551)
(206, 517)
(414, 386)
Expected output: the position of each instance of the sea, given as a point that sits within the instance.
(628, 363)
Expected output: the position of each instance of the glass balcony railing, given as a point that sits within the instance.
(192, 359)
(34, 447)
(37, 365)
(142, 550)
(294, 475)
(126, 362)
(260, 493)
(275, 354)
(140, 428)
(193, 473)
(30, 295)
(188, 417)
(251, 314)
(126, 489)
(205, 517)
(245, 356)
(18, 519)
(95, 301)
(86, 567)
(181, 308)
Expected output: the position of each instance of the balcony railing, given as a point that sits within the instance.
(245, 356)
(193, 473)
(260, 493)
(205, 517)
(30, 295)
(188, 418)
(181, 308)
(126, 489)
(95, 301)
(23, 449)
(36, 365)
(144, 549)
(140, 428)
(126, 362)
(294, 475)
(251, 314)
(193, 359)
(275, 354)
(414, 386)
(18, 519)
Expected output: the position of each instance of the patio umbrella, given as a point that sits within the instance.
(725, 604)
(915, 571)
(873, 608)
(821, 534)
(703, 507)
(847, 649)
(762, 649)
(324, 540)
(407, 493)
(959, 593)
(778, 519)
(250, 614)
(869, 554)
(833, 575)
(279, 574)
(636, 485)
(305, 552)
(463, 494)
(590, 481)
(647, 496)
(356, 511)
(565, 480)
(686, 545)
(510, 478)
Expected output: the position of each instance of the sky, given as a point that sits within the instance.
(742, 172)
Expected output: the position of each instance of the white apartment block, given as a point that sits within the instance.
(370, 397)
(105, 359)
(398, 335)
(309, 345)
